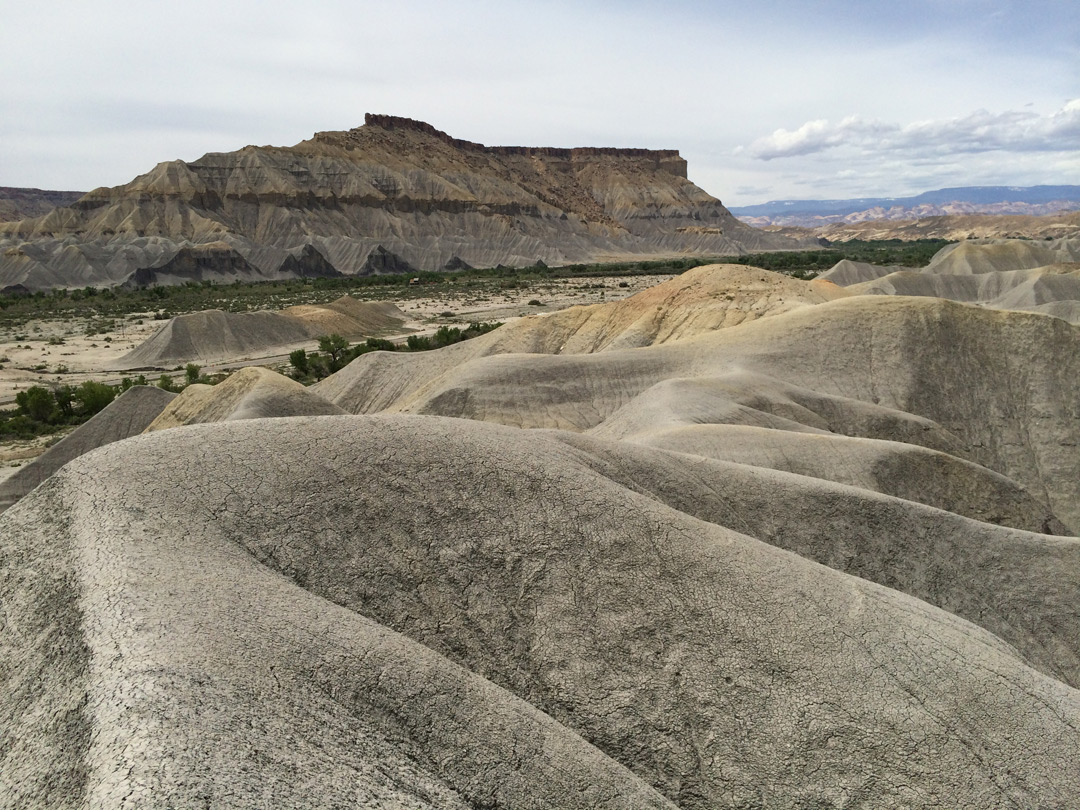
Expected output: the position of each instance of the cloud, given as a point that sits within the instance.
(980, 131)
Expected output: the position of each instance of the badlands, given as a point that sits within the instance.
(394, 195)
(737, 540)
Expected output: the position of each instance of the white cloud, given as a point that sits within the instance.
(980, 131)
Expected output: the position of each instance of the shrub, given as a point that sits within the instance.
(37, 403)
(299, 361)
(93, 397)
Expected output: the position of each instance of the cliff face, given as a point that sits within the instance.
(20, 203)
(393, 183)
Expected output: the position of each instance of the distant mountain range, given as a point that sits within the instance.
(1029, 201)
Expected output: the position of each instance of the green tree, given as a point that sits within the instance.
(299, 361)
(191, 371)
(93, 397)
(165, 383)
(64, 396)
(380, 344)
(36, 402)
(335, 346)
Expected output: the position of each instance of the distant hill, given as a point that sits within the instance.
(394, 189)
(1027, 201)
(951, 228)
(21, 203)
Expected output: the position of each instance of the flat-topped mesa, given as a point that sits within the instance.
(667, 160)
(344, 201)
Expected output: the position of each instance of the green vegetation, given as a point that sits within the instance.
(42, 411)
(335, 353)
(811, 263)
(107, 309)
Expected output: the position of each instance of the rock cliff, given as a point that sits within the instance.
(393, 186)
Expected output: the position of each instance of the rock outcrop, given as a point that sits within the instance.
(391, 187)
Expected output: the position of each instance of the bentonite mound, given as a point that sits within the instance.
(798, 548)
(250, 393)
(1052, 290)
(323, 611)
(996, 255)
(127, 415)
(1012, 274)
(996, 388)
(703, 299)
(894, 468)
(213, 335)
(847, 272)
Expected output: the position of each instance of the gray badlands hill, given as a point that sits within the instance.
(924, 371)
(394, 189)
(798, 548)
(422, 612)
(250, 393)
(213, 335)
(128, 415)
(1006, 274)
(22, 203)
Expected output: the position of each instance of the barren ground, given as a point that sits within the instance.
(32, 354)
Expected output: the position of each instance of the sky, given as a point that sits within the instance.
(773, 99)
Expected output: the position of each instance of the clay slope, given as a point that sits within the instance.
(250, 393)
(796, 548)
(263, 616)
(1012, 274)
(698, 301)
(213, 335)
(701, 300)
(391, 185)
(950, 377)
(127, 415)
